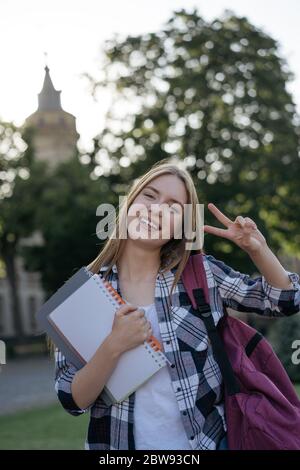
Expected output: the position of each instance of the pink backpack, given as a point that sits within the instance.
(262, 409)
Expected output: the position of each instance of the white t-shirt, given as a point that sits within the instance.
(157, 420)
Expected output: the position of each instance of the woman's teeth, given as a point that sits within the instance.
(147, 222)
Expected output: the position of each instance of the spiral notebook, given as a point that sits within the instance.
(79, 316)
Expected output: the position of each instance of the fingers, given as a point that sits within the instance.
(148, 330)
(220, 232)
(127, 308)
(219, 215)
(240, 220)
(144, 321)
(250, 222)
(245, 222)
(248, 225)
(141, 312)
(147, 327)
(138, 313)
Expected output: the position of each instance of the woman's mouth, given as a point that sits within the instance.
(148, 223)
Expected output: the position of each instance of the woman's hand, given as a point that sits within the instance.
(243, 231)
(130, 327)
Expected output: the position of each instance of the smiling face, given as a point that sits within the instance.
(156, 214)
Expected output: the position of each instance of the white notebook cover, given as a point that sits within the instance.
(85, 319)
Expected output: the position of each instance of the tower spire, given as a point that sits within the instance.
(48, 98)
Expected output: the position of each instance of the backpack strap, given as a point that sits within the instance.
(195, 283)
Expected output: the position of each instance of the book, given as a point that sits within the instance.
(79, 316)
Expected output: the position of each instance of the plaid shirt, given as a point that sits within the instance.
(195, 375)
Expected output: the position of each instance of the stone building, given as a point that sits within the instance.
(54, 140)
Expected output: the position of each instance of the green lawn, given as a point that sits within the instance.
(46, 428)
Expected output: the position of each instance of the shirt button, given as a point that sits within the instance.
(168, 342)
(192, 438)
(184, 413)
(178, 389)
(173, 365)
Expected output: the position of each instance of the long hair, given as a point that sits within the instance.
(174, 252)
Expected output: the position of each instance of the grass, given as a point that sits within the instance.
(46, 428)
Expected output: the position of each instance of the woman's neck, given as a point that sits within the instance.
(136, 264)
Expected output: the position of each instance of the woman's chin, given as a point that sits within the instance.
(147, 239)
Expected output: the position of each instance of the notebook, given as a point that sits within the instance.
(79, 316)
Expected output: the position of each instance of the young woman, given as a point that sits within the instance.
(181, 406)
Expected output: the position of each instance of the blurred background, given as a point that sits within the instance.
(91, 95)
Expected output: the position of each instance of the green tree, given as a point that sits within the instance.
(66, 218)
(21, 184)
(212, 95)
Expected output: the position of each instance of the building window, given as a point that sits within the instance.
(32, 306)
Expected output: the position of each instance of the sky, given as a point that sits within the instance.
(73, 31)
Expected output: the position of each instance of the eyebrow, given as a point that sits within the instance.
(157, 192)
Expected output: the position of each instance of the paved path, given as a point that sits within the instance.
(26, 383)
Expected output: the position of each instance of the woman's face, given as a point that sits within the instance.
(156, 214)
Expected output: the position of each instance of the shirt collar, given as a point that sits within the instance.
(105, 267)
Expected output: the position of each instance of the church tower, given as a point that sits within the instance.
(54, 140)
(55, 135)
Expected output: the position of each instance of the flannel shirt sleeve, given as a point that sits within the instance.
(246, 294)
(64, 374)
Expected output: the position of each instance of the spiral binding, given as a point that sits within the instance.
(114, 295)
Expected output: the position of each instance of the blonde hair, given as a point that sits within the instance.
(173, 253)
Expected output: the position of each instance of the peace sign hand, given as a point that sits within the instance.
(243, 231)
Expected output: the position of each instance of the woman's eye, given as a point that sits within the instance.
(149, 195)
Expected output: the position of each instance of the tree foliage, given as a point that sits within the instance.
(214, 96)
(67, 219)
(21, 184)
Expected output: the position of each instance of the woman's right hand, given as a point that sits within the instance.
(130, 327)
